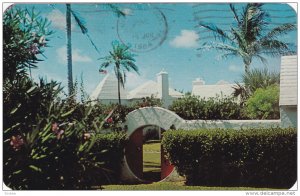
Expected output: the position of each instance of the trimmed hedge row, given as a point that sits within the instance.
(250, 157)
(220, 108)
(109, 150)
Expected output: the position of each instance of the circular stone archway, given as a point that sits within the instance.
(132, 171)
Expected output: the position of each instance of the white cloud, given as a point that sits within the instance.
(76, 55)
(187, 39)
(235, 68)
(58, 19)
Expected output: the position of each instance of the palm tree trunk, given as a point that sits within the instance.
(119, 94)
(69, 49)
(247, 67)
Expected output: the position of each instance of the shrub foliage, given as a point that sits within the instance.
(264, 103)
(48, 142)
(251, 157)
(193, 107)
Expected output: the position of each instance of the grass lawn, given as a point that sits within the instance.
(174, 186)
(152, 145)
(151, 161)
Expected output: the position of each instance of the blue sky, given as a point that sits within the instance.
(167, 32)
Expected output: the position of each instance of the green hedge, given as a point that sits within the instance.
(109, 150)
(250, 157)
(220, 108)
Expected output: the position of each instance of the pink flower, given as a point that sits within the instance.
(16, 142)
(56, 130)
(110, 120)
(86, 136)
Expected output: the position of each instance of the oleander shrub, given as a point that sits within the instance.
(264, 103)
(218, 108)
(248, 157)
(56, 154)
(49, 143)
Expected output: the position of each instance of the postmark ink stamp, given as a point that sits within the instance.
(145, 28)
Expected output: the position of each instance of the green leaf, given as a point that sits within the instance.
(17, 172)
(31, 89)
(68, 113)
(14, 126)
(46, 138)
(14, 110)
(35, 168)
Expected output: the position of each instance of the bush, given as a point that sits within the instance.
(61, 155)
(252, 157)
(264, 103)
(192, 107)
(109, 149)
(48, 143)
(25, 35)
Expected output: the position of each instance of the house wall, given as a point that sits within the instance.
(288, 81)
(288, 116)
(114, 101)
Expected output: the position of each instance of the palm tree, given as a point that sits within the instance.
(249, 38)
(254, 79)
(123, 61)
(82, 25)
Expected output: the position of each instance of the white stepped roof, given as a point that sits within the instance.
(208, 91)
(108, 89)
(288, 80)
(151, 88)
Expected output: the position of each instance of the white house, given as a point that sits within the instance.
(221, 88)
(107, 91)
(288, 99)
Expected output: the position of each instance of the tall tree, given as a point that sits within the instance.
(123, 61)
(250, 37)
(69, 49)
(82, 25)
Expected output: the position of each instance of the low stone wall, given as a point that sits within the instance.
(167, 119)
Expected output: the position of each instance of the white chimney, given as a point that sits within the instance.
(163, 88)
(198, 81)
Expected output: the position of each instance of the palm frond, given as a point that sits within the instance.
(260, 78)
(241, 91)
(254, 20)
(274, 47)
(229, 54)
(129, 65)
(262, 59)
(217, 32)
(105, 64)
(279, 30)
(116, 10)
(242, 42)
(92, 42)
(82, 25)
(232, 8)
(80, 21)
